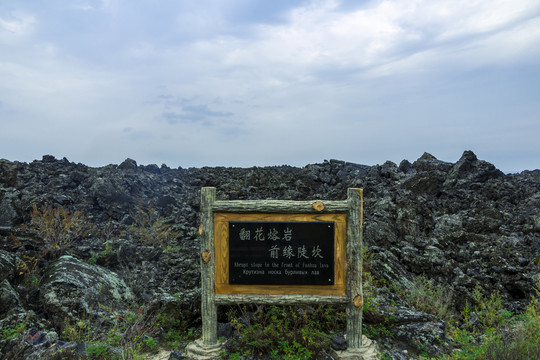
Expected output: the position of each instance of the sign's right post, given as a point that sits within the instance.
(354, 268)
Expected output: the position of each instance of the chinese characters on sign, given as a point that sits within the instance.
(281, 253)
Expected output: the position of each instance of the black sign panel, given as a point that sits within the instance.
(281, 253)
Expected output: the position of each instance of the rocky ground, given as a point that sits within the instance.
(464, 225)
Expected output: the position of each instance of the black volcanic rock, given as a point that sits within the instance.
(460, 224)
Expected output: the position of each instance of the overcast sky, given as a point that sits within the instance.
(270, 82)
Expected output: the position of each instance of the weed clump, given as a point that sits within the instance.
(490, 332)
(150, 228)
(283, 332)
(59, 227)
(130, 335)
(429, 297)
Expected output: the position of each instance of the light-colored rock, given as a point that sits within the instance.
(73, 288)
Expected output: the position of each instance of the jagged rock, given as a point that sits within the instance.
(428, 162)
(128, 164)
(338, 342)
(225, 330)
(412, 330)
(176, 355)
(8, 173)
(8, 265)
(9, 298)
(470, 169)
(425, 337)
(8, 214)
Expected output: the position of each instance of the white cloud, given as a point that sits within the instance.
(465, 18)
(93, 5)
(359, 83)
(15, 27)
(318, 37)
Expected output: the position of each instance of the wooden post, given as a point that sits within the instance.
(354, 269)
(208, 305)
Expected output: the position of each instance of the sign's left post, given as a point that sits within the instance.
(207, 347)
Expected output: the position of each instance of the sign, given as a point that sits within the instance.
(248, 248)
(281, 253)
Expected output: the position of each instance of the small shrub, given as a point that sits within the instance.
(150, 228)
(486, 312)
(490, 333)
(12, 333)
(27, 268)
(58, 227)
(521, 341)
(176, 328)
(377, 331)
(64, 354)
(369, 283)
(132, 332)
(148, 344)
(100, 352)
(174, 338)
(429, 297)
(108, 229)
(369, 290)
(78, 332)
(125, 335)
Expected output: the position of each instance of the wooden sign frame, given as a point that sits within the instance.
(349, 291)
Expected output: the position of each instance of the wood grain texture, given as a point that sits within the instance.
(221, 230)
(354, 268)
(278, 206)
(280, 299)
(208, 306)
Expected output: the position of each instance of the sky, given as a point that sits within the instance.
(258, 82)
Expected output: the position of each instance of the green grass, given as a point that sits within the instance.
(283, 332)
(483, 329)
(491, 333)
